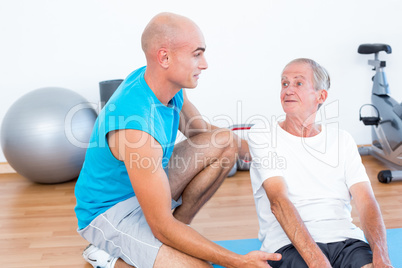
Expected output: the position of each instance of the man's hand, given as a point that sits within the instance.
(260, 258)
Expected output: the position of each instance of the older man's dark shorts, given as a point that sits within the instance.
(351, 253)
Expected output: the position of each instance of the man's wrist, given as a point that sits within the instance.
(318, 260)
(380, 255)
(381, 261)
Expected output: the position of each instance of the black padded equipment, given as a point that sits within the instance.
(107, 88)
(384, 176)
(374, 48)
(370, 120)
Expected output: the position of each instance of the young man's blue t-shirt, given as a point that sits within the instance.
(103, 181)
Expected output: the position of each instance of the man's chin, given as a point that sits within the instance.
(194, 85)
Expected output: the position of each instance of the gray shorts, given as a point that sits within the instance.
(123, 232)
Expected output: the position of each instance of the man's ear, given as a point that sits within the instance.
(163, 57)
(323, 96)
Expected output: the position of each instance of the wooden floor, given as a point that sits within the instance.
(38, 225)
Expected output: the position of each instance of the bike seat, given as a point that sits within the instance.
(374, 48)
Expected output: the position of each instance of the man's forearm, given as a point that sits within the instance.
(292, 224)
(188, 241)
(374, 230)
(371, 222)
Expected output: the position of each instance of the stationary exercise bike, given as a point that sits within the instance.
(386, 123)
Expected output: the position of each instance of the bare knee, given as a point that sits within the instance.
(370, 265)
(223, 140)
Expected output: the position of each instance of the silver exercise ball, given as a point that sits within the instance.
(45, 133)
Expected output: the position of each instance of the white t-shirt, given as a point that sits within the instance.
(318, 172)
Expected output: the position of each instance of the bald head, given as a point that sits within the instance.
(165, 30)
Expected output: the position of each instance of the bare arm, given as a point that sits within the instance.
(192, 123)
(152, 189)
(289, 218)
(372, 222)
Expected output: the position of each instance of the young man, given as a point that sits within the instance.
(134, 175)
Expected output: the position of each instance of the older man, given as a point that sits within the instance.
(303, 195)
(134, 175)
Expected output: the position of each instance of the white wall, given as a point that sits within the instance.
(77, 43)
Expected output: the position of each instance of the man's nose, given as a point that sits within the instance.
(290, 90)
(203, 64)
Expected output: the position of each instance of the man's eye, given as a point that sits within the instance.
(285, 84)
(299, 83)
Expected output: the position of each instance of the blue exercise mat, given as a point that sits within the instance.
(394, 239)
